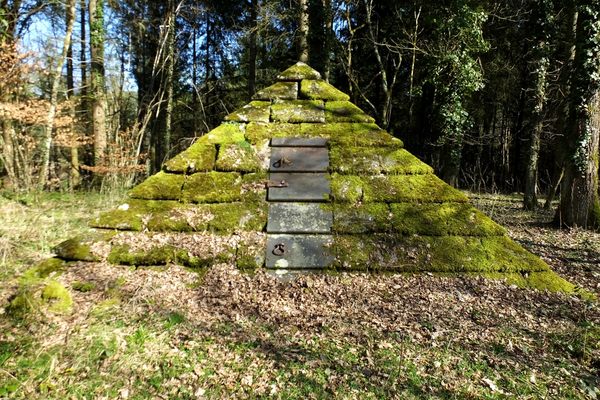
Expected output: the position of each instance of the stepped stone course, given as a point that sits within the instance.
(389, 211)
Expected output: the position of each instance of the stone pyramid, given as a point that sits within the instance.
(301, 178)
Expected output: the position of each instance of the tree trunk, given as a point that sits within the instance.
(47, 135)
(329, 37)
(536, 125)
(97, 87)
(303, 30)
(580, 203)
(252, 49)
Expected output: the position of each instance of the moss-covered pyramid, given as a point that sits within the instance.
(390, 212)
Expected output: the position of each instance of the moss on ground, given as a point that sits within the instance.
(297, 111)
(345, 111)
(58, 297)
(436, 219)
(240, 157)
(161, 186)
(255, 111)
(81, 248)
(212, 187)
(399, 253)
(361, 218)
(321, 90)
(257, 133)
(198, 157)
(298, 72)
(279, 90)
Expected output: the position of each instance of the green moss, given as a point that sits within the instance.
(375, 160)
(351, 135)
(346, 188)
(198, 157)
(58, 297)
(161, 186)
(355, 160)
(80, 248)
(206, 260)
(255, 111)
(296, 111)
(544, 280)
(298, 72)
(46, 268)
(279, 90)
(157, 255)
(83, 287)
(228, 132)
(345, 111)
(239, 157)
(417, 188)
(401, 162)
(321, 90)
(442, 219)
(257, 133)
(212, 187)
(253, 187)
(361, 218)
(231, 217)
(393, 252)
(250, 253)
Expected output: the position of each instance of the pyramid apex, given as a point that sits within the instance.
(298, 72)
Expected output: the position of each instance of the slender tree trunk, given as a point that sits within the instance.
(74, 177)
(97, 87)
(83, 54)
(303, 30)
(329, 37)
(252, 50)
(536, 125)
(57, 73)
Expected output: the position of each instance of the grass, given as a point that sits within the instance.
(180, 334)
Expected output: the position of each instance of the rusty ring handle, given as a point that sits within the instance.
(279, 249)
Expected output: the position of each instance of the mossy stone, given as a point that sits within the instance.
(257, 133)
(279, 90)
(355, 160)
(229, 132)
(253, 187)
(400, 162)
(345, 111)
(416, 188)
(361, 218)
(394, 252)
(156, 255)
(239, 157)
(83, 287)
(250, 253)
(80, 248)
(212, 187)
(198, 157)
(321, 90)
(347, 188)
(58, 297)
(351, 135)
(232, 217)
(298, 72)
(297, 111)
(438, 219)
(161, 186)
(255, 111)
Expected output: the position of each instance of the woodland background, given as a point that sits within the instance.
(496, 96)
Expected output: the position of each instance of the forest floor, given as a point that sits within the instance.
(219, 333)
